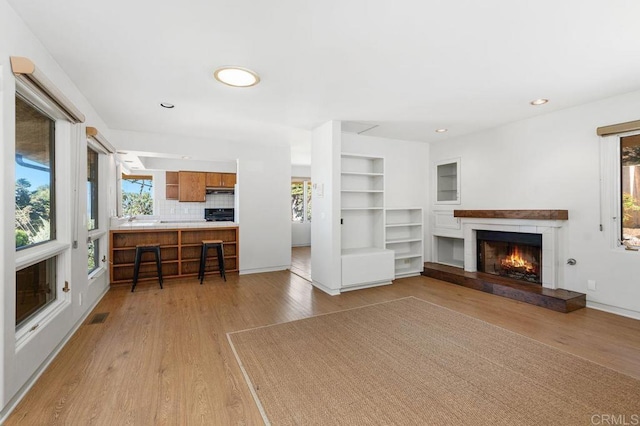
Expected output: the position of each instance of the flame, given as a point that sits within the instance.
(515, 260)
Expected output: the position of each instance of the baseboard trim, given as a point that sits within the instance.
(329, 291)
(614, 310)
(15, 400)
(260, 270)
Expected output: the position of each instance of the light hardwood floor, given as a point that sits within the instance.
(162, 356)
(301, 262)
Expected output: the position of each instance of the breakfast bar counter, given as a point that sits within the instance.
(180, 248)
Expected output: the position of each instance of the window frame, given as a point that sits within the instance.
(99, 233)
(60, 246)
(611, 190)
(306, 193)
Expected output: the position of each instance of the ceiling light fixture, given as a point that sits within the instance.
(167, 105)
(185, 157)
(442, 130)
(236, 76)
(540, 101)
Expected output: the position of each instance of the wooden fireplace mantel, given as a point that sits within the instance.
(514, 214)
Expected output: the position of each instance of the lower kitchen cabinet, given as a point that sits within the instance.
(179, 250)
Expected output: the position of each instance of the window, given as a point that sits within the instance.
(630, 189)
(35, 176)
(93, 243)
(35, 208)
(301, 201)
(137, 195)
(35, 288)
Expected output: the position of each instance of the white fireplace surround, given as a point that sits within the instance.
(549, 229)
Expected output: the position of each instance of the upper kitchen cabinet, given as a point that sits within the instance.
(172, 185)
(192, 186)
(220, 180)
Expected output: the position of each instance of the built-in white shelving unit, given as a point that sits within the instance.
(365, 261)
(447, 182)
(404, 235)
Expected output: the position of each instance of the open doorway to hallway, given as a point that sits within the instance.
(301, 227)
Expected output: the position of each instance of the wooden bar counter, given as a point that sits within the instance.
(179, 248)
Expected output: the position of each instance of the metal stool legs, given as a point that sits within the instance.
(206, 245)
(136, 266)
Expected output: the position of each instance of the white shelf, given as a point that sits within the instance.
(361, 208)
(347, 173)
(403, 240)
(404, 235)
(368, 191)
(407, 256)
(393, 225)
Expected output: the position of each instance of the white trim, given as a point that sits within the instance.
(329, 291)
(613, 310)
(33, 255)
(259, 270)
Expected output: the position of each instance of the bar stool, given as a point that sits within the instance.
(210, 244)
(146, 248)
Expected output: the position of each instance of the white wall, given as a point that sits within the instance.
(325, 226)
(552, 162)
(18, 366)
(263, 190)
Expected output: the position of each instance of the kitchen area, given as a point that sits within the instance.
(187, 207)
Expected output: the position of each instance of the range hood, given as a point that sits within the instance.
(220, 190)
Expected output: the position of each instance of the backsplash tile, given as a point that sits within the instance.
(178, 210)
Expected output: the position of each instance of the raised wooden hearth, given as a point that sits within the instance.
(558, 300)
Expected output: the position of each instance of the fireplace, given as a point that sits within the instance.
(516, 255)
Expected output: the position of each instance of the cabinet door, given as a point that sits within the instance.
(192, 186)
(228, 180)
(214, 180)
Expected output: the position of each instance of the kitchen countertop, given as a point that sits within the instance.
(169, 224)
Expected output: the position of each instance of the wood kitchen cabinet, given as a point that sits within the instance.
(220, 180)
(192, 186)
(172, 185)
(179, 248)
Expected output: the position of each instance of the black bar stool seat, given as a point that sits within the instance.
(146, 248)
(211, 244)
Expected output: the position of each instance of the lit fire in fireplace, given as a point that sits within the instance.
(516, 261)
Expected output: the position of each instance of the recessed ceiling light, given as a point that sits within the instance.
(539, 101)
(185, 157)
(129, 161)
(441, 130)
(236, 76)
(167, 105)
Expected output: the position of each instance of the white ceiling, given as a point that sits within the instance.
(408, 67)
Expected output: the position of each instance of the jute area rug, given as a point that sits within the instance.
(410, 362)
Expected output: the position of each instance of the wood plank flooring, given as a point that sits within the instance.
(301, 262)
(162, 356)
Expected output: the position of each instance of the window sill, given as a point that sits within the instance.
(97, 273)
(36, 254)
(30, 329)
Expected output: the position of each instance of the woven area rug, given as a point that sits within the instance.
(410, 362)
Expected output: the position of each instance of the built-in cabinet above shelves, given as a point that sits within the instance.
(405, 236)
(365, 260)
(447, 181)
